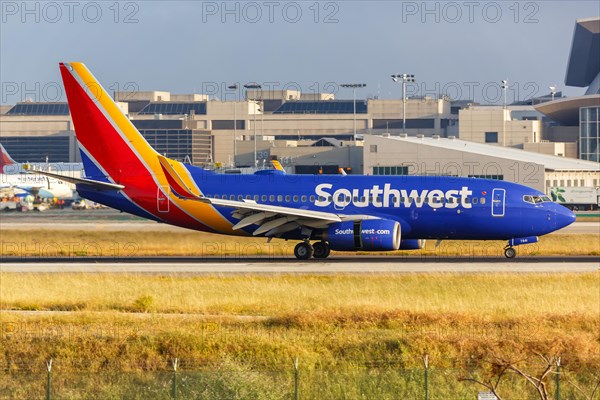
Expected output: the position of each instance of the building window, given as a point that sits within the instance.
(392, 170)
(491, 137)
(589, 133)
(218, 124)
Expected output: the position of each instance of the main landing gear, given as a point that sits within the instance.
(304, 250)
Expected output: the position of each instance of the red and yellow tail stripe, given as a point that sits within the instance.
(106, 134)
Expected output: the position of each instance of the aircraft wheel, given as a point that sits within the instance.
(321, 250)
(303, 251)
(510, 252)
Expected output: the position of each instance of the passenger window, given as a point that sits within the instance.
(468, 200)
(232, 197)
(279, 197)
(312, 199)
(248, 197)
(264, 197)
(288, 197)
(304, 199)
(240, 197)
(482, 200)
(272, 197)
(475, 200)
(255, 197)
(295, 199)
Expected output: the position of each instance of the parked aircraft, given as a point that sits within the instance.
(14, 178)
(321, 212)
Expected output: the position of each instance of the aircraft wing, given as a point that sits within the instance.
(272, 220)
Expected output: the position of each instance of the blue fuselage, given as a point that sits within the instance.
(427, 207)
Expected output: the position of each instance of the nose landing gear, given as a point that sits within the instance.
(510, 252)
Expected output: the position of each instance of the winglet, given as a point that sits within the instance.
(178, 186)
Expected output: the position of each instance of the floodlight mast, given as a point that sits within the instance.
(403, 79)
(504, 87)
(353, 86)
(254, 86)
(234, 87)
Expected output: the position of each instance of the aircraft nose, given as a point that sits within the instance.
(564, 217)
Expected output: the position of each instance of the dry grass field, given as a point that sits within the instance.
(355, 335)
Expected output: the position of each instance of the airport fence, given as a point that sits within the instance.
(238, 382)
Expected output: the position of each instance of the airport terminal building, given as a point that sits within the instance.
(583, 70)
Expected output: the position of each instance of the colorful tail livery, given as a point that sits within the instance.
(5, 159)
(322, 212)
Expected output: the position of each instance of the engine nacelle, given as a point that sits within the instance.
(412, 244)
(369, 235)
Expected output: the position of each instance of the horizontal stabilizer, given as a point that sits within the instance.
(81, 181)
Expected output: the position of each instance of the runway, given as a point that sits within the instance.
(353, 265)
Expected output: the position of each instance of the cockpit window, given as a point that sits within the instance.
(536, 199)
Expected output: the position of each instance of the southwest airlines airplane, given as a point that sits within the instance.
(321, 212)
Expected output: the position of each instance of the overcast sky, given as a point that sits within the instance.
(461, 48)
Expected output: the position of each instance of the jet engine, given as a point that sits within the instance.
(368, 235)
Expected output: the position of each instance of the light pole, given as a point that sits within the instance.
(254, 86)
(504, 87)
(353, 86)
(234, 87)
(403, 79)
(552, 91)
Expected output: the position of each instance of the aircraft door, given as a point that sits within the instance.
(162, 199)
(340, 201)
(498, 202)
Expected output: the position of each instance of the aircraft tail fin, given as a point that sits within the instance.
(112, 149)
(5, 159)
